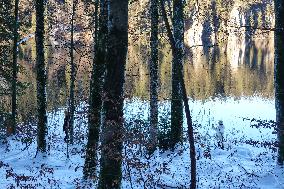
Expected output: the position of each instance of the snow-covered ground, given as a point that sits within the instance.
(247, 161)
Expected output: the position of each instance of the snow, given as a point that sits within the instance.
(26, 38)
(239, 165)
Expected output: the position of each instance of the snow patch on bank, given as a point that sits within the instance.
(239, 165)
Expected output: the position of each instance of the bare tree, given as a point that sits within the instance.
(174, 45)
(154, 75)
(177, 63)
(41, 77)
(73, 76)
(6, 35)
(112, 128)
(279, 72)
(98, 71)
(12, 130)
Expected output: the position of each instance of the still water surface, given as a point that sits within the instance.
(228, 82)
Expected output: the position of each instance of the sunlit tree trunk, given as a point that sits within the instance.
(112, 129)
(279, 74)
(177, 63)
(96, 88)
(73, 76)
(41, 77)
(154, 75)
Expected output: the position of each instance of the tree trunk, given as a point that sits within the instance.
(112, 130)
(41, 77)
(6, 29)
(189, 132)
(154, 76)
(73, 77)
(12, 130)
(177, 63)
(185, 101)
(96, 88)
(279, 73)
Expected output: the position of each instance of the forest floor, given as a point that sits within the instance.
(248, 160)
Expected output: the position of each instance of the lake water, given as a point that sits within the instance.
(229, 82)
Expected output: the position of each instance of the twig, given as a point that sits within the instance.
(167, 186)
(250, 174)
(128, 170)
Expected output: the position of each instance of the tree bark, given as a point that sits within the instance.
(96, 88)
(177, 63)
(154, 75)
(189, 132)
(279, 74)
(112, 130)
(185, 101)
(41, 77)
(12, 130)
(73, 77)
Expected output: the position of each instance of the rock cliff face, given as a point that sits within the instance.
(250, 26)
(241, 29)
